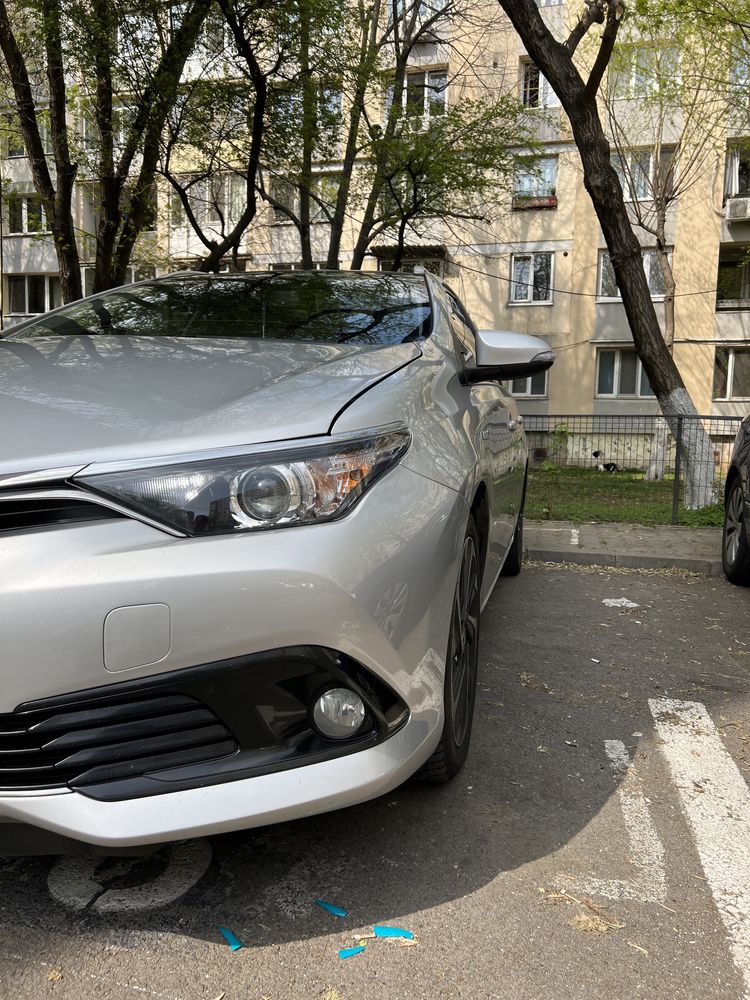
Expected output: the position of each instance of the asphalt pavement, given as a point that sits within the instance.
(595, 845)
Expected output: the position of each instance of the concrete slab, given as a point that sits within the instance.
(628, 545)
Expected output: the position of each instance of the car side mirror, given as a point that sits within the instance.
(503, 354)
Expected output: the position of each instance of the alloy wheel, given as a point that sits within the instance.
(733, 524)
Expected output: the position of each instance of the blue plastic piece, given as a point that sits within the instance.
(348, 952)
(392, 932)
(330, 908)
(231, 940)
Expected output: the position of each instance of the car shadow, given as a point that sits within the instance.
(559, 675)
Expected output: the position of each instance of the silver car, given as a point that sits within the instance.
(248, 524)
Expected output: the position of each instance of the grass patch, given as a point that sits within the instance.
(578, 495)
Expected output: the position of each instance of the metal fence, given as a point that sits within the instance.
(628, 468)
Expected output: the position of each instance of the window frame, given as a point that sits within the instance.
(618, 351)
(732, 349)
(132, 276)
(24, 200)
(647, 254)
(528, 394)
(531, 301)
(49, 298)
(546, 96)
(427, 114)
(317, 212)
(535, 174)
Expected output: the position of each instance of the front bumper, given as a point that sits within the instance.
(233, 805)
(376, 586)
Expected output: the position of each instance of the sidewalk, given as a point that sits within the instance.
(631, 545)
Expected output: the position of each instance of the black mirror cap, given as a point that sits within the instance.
(502, 373)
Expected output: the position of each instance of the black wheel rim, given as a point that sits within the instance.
(463, 644)
(733, 525)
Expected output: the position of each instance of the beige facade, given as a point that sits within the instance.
(538, 266)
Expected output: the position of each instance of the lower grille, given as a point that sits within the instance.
(189, 728)
(107, 740)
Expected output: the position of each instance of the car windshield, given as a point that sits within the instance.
(337, 306)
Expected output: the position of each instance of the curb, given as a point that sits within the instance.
(703, 567)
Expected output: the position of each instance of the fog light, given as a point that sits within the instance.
(339, 713)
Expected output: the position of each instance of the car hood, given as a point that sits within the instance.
(68, 401)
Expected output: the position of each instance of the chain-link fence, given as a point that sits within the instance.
(627, 468)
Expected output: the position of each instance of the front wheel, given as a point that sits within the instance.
(735, 550)
(459, 692)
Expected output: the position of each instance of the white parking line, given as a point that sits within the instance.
(716, 802)
(646, 850)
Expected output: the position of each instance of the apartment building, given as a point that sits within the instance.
(539, 266)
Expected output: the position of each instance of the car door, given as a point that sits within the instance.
(494, 422)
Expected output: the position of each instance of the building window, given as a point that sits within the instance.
(607, 285)
(536, 179)
(639, 70)
(435, 265)
(531, 278)
(535, 184)
(534, 385)
(139, 272)
(26, 214)
(732, 373)
(30, 294)
(323, 193)
(733, 280)
(633, 170)
(536, 91)
(642, 177)
(423, 96)
(737, 171)
(226, 199)
(620, 373)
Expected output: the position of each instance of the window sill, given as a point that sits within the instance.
(600, 301)
(732, 305)
(549, 302)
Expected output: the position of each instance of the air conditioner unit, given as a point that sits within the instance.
(738, 208)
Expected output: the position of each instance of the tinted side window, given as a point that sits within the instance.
(463, 331)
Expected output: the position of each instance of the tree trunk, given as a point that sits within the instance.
(602, 184)
(368, 51)
(579, 101)
(308, 138)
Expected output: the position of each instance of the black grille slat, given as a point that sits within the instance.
(17, 514)
(134, 729)
(60, 745)
(100, 714)
(142, 747)
(175, 758)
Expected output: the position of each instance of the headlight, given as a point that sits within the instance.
(276, 489)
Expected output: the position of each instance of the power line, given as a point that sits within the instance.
(560, 291)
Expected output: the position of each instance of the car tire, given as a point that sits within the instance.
(735, 550)
(462, 657)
